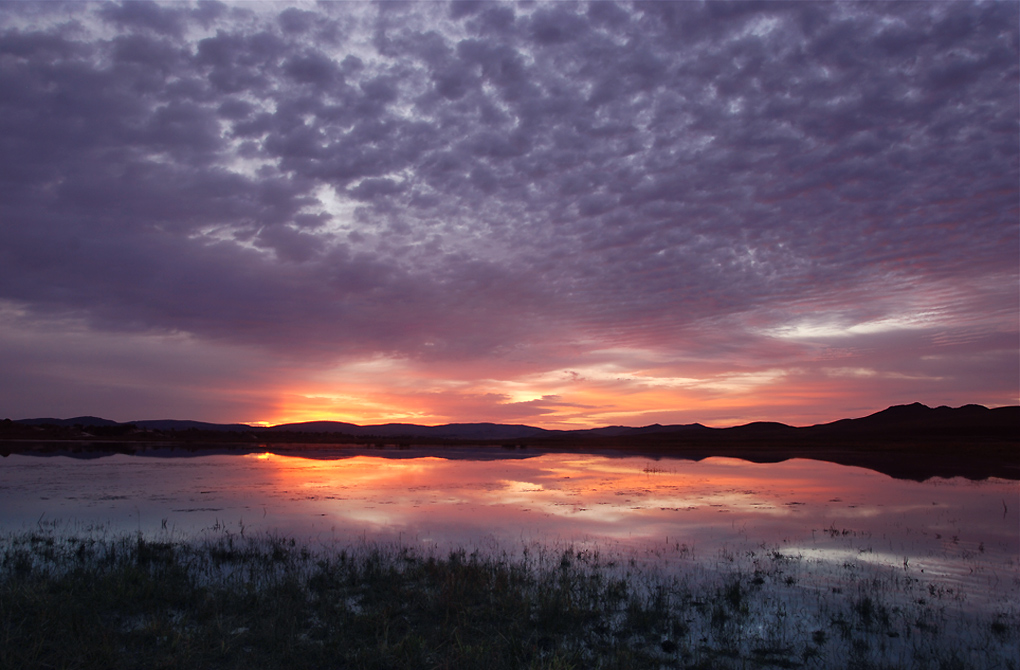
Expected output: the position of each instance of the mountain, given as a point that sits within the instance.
(317, 427)
(74, 421)
(176, 424)
(472, 431)
(655, 428)
(452, 431)
(920, 420)
(904, 441)
(915, 420)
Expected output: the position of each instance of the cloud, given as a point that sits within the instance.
(468, 181)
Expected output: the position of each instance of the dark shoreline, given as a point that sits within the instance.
(913, 442)
(910, 459)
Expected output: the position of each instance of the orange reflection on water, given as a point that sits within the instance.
(956, 528)
(578, 497)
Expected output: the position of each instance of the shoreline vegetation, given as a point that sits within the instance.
(224, 600)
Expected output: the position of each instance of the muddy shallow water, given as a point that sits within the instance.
(963, 534)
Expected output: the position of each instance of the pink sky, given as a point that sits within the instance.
(553, 214)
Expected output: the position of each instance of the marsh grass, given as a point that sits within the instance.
(228, 601)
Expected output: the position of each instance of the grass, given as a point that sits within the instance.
(81, 601)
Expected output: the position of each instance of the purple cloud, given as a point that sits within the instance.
(461, 181)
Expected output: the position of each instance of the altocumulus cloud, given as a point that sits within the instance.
(669, 193)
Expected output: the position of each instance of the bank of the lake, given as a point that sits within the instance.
(227, 601)
(905, 441)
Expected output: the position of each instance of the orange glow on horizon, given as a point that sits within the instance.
(574, 406)
(617, 387)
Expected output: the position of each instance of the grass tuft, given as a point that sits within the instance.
(269, 602)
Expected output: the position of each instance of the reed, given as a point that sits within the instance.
(229, 601)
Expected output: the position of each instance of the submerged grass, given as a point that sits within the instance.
(270, 602)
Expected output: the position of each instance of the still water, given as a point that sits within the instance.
(964, 533)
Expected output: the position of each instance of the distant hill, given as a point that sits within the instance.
(452, 431)
(918, 419)
(74, 421)
(175, 424)
(904, 441)
(156, 424)
(914, 419)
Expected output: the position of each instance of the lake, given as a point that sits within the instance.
(800, 563)
(962, 534)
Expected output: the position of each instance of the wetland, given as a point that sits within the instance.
(355, 557)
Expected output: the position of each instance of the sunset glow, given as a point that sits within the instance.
(566, 215)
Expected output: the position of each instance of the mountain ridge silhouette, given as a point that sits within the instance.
(915, 418)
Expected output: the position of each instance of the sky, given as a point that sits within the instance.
(560, 214)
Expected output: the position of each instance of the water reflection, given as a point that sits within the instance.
(948, 527)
